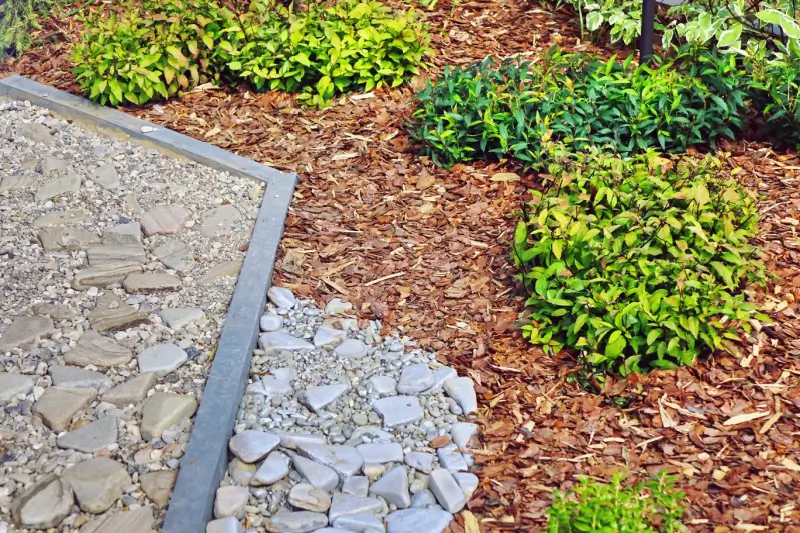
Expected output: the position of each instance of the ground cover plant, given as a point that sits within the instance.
(156, 49)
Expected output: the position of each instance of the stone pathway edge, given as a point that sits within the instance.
(206, 461)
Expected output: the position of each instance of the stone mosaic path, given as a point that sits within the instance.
(117, 264)
(341, 430)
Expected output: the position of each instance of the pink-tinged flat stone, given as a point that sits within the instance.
(164, 220)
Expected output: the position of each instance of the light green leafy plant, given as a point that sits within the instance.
(637, 264)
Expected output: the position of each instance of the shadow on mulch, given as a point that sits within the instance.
(424, 250)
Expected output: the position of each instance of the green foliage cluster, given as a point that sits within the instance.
(637, 263)
(18, 19)
(651, 507)
(161, 47)
(482, 111)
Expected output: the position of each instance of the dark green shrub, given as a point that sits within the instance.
(637, 263)
(777, 82)
(651, 507)
(18, 19)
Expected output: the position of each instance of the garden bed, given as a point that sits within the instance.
(425, 250)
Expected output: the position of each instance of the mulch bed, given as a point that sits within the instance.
(425, 250)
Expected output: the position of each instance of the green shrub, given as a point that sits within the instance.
(650, 507)
(776, 82)
(638, 263)
(18, 19)
(481, 111)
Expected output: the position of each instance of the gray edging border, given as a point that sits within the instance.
(206, 458)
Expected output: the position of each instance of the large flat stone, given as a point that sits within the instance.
(274, 468)
(20, 181)
(317, 398)
(291, 440)
(77, 378)
(51, 165)
(219, 221)
(67, 238)
(462, 390)
(112, 314)
(297, 522)
(92, 437)
(228, 269)
(94, 349)
(134, 521)
(106, 176)
(252, 445)
(179, 317)
(13, 384)
(317, 474)
(24, 330)
(328, 336)
(347, 504)
(174, 254)
(37, 132)
(112, 254)
(447, 491)
(162, 359)
(367, 522)
(351, 348)
(344, 459)
(281, 340)
(393, 487)
(57, 406)
(129, 234)
(164, 220)
(43, 505)
(132, 391)
(151, 282)
(59, 187)
(398, 410)
(62, 218)
(97, 483)
(229, 524)
(163, 409)
(418, 521)
(230, 500)
(54, 311)
(104, 275)
(157, 486)
(414, 379)
(309, 498)
(381, 452)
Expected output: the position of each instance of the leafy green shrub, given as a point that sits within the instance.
(637, 263)
(18, 18)
(776, 82)
(476, 112)
(650, 507)
(153, 50)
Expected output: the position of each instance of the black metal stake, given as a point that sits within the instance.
(648, 29)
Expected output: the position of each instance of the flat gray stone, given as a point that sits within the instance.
(462, 390)
(54, 311)
(13, 384)
(180, 317)
(297, 522)
(164, 220)
(132, 391)
(92, 437)
(420, 461)
(440, 375)
(77, 378)
(112, 314)
(106, 176)
(281, 340)
(307, 497)
(451, 459)
(414, 379)
(50, 165)
(381, 452)
(328, 336)
(105, 275)
(20, 181)
(229, 524)
(270, 386)
(157, 486)
(163, 409)
(174, 254)
(271, 322)
(317, 474)
(344, 459)
(424, 499)
(37, 132)
(356, 485)
(134, 521)
(335, 530)
(364, 522)
(337, 307)
(228, 269)
(347, 504)
(132, 204)
(252, 445)
(162, 359)
(67, 239)
(462, 433)
(61, 218)
(147, 282)
(393, 487)
(316, 398)
(129, 234)
(447, 491)
(113, 254)
(59, 187)
(398, 410)
(57, 406)
(291, 440)
(281, 297)
(383, 385)
(97, 483)
(24, 330)
(219, 221)
(43, 505)
(274, 468)
(241, 473)
(468, 483)
(369, 434)
(351, 348)
(418, 521)
(230, 500)
(94, 349)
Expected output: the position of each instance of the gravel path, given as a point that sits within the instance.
(341, 430)
(117, 264)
